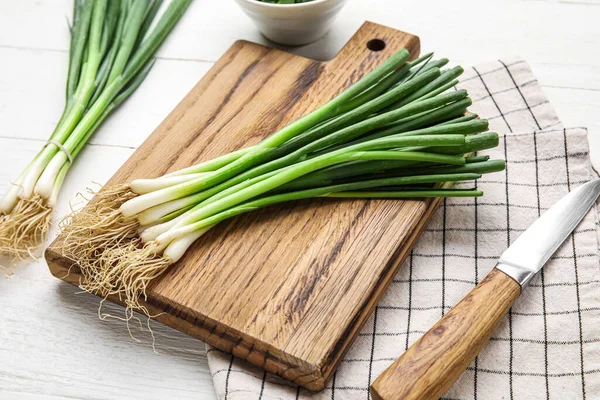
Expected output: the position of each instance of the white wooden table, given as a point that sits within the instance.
(52, 344)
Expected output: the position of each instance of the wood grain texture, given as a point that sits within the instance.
(286, 288)
(435, 361)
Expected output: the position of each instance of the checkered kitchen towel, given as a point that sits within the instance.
(549, 344)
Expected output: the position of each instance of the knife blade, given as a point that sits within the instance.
(435, 361)
(528, 254)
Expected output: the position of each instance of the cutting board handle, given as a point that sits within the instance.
(431, 365)
(374, 43)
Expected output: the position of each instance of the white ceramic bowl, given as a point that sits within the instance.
(293, 24)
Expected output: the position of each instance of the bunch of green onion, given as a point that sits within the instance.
(285, 1)
(397, 133)
(111, 52)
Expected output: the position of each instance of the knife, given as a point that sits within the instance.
(431, 365)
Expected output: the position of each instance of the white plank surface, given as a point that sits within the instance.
(52, 344)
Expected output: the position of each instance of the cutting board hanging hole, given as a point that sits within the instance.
(375, 45)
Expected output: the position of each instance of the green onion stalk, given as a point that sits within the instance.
(400, 132)
(112, 47)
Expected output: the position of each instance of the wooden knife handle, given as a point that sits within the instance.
(431, 365)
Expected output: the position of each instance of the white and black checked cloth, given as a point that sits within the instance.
(549, 344)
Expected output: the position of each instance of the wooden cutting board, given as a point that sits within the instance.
(289, 287)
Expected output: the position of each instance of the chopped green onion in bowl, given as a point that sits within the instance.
(292, 22)
(285, 1)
